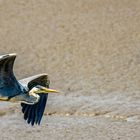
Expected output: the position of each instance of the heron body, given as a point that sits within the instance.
(31, 92)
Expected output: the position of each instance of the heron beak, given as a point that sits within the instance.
(48, 90)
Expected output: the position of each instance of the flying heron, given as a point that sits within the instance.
(31, 92)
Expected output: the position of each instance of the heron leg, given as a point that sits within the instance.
(3, 98)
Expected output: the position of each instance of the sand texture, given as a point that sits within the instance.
(91, 51)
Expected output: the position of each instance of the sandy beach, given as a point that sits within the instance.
(91, 52)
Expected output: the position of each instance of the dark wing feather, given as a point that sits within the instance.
(9, 86)
(33, 113)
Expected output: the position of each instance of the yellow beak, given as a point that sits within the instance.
(47, 90)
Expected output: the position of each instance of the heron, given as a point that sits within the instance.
(31, 92)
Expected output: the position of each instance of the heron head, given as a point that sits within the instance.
(40, 89)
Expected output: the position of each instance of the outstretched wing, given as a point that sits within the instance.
(33, 113)
(9, 86)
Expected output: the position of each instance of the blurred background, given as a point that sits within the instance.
(91, 51)
(85, 45)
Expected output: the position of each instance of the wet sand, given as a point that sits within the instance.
(68, 117)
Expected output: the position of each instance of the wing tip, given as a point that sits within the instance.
(33, 113)
(43, 74)
(8, 55)
(12, 54)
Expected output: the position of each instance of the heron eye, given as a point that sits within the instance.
(36, 89)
